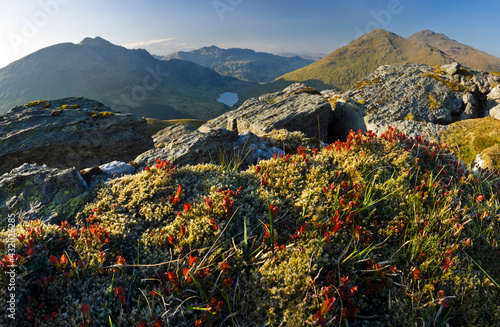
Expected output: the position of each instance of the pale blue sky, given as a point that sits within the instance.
(165, 26)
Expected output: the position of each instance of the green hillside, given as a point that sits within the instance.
(464, 54)
(351, 63)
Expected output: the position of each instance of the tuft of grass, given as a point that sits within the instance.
(468, 138)
(433, 102)
(451, 85)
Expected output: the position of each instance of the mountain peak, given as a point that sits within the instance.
(426, 35)
(95, 42)
(377, 34)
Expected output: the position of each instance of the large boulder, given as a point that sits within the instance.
(183, 144)
(71, 132)
(296, 108)
(416, 98)
(452, 68)
(407, 92)
(39, 192)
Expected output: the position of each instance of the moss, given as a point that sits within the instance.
(308, 90)
(70, 106)
(410, 117)
(101, 115)
(156, 125)
(36, 103)
(451, 85)
(433, 102)
(77, 122)
(368, 82)
(464, 72)
(288, 141)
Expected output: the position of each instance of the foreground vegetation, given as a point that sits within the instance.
(374, 231)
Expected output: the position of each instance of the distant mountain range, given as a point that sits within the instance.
(179, 86)
(244, 64)
(347, 65)
(127, 80)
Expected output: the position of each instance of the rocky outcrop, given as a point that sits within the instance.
(183, 144)
(71, 132)
(296, 108)
(417, 99)
(32, 192)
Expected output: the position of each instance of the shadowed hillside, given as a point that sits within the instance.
(127, 80)
(244, 64)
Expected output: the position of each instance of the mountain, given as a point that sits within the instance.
(464, 54)
(349, 64)
(244, 64)
(126, 80)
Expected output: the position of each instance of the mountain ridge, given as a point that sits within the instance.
(127, 80)
(244, 64)
(347, 65)
(466, 55)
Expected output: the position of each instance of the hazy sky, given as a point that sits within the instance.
(165, 26)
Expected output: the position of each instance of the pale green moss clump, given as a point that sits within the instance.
(377, 231)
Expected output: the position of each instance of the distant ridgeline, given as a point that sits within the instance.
(126, 80)
(244, 64)
(347, 65)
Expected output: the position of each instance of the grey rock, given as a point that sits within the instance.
(104, 173)
(399, 93)
(479, 162)
(296, 108)
(452, 68)
(87, 136)
(32, 192)
(182, 145)
(495, 112)
(117, 168)
(494, 93)
(411, 128)
(471, 105)
(347, 115)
